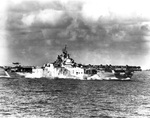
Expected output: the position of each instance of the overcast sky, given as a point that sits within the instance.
(96, 31)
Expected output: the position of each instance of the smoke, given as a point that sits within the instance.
(96, 32)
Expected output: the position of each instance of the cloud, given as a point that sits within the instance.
(3, 42)
(94, 11)
(110, 31)
(47, 16)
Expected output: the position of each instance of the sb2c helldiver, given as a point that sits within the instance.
(65, 68)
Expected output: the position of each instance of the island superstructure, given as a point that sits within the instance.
(63, 67)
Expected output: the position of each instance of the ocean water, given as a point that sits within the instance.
(45, 98)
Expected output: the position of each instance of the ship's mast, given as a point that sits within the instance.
(65, 49)
(65, 52)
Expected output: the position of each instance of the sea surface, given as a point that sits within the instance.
(45, 98)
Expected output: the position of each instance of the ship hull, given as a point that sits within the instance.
(67, 73)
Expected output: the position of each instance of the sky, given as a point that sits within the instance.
(116, 32)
